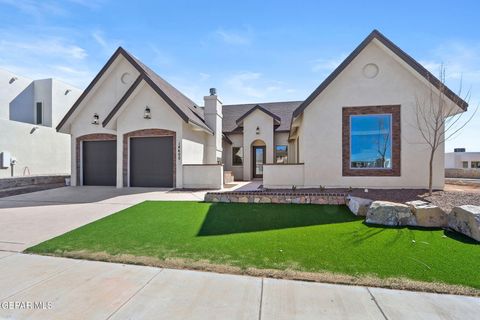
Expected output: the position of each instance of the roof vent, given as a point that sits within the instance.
(213, 91)
(459, 150)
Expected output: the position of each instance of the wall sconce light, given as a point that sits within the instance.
(258, 130)
(67, 91)
(12, 80)
(96, 119)
(147, 114)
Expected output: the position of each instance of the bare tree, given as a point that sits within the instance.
(439, 117)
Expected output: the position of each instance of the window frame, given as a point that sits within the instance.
(477, 165)
(242, 157)
(36, 113)
(395, 127)
(391, 139)
(286, 151)
(464, 163)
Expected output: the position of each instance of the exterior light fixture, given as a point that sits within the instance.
(67, 91)
(147, 114)
(12, 80)
(96, 119)
(258, 130)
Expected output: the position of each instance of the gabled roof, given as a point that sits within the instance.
(281, 110)
(185, 107)
(375, 34)
(258, 107)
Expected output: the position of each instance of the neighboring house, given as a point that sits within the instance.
(132, 128)
(28, 111)
(460, 159)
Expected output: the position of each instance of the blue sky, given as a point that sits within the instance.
(251, 51)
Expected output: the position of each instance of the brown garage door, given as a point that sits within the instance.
(151, 162)
(99, 163)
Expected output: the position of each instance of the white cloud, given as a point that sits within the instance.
(232, 37)
(38, 57)
(251, 86)
(108, 45)
(323, 65)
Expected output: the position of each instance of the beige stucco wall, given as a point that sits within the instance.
(237, 141)
(203, 176)
(321, 129)
(42, 151)
(108, 90)
(130, 117)
(265, 123)
(192, 150)
(283, 175)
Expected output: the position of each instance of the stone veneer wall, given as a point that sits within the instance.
(276, 197)
(16, 182)
(462, 173)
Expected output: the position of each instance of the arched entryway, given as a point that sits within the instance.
(259, 158)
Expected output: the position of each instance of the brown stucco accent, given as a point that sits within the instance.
(78, 148)
(147, 133)
(394, 110)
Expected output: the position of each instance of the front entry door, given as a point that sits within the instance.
(259, 157)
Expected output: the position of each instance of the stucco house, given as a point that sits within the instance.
(29, 112)
(132, 128)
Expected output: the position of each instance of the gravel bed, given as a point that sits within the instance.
(443, 199)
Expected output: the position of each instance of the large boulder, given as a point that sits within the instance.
(390, 214)
(466, 219)
(428, 215)
(359, 206)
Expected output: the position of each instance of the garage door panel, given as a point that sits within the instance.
(151, 162)
(99, 163)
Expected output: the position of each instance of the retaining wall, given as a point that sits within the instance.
(16, 182)
(462, 173)
(276, 197)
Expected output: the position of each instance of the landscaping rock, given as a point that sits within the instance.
(390, 214)
(358, 206)
(466, 219)
(428, 215)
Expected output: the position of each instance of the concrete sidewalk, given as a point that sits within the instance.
(75, 289)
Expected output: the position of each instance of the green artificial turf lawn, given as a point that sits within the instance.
(300, 237)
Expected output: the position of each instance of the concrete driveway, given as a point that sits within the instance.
(74, 289)
(28, 219)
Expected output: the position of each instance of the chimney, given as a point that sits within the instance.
(213, 119)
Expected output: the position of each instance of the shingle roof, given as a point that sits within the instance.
(186, 108)
(233, 112)
(189, 107)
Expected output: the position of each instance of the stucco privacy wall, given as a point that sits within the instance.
(264, 123)
(283, 175)
(162, 117)
(101, 100)
(208, 176)
(321, 131)
(43, 151)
